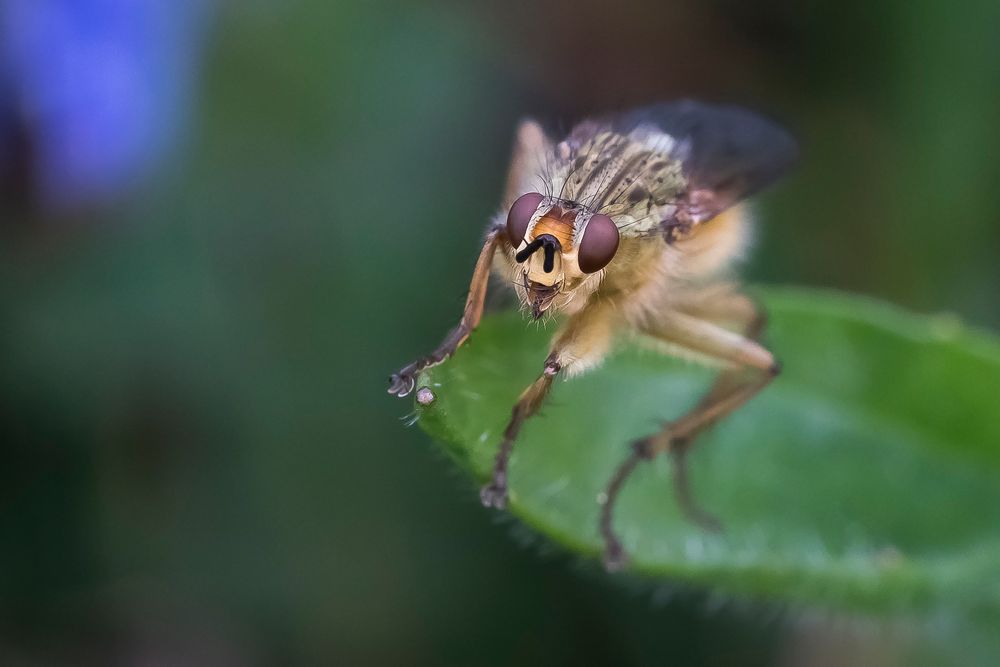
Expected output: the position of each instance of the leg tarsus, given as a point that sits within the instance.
(645, 449)
(615, 557)
(494, 494)
(685, 499)
(403, 381)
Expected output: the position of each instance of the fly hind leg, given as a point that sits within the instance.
(718, 305)
(750, 368)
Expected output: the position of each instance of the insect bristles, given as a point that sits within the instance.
(671, 172)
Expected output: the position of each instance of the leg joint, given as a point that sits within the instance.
(644, 448)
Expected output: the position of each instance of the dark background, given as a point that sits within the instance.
(224, 224)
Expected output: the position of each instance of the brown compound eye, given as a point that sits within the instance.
(520, 215)
(599, 244)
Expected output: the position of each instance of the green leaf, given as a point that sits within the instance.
(865, 477)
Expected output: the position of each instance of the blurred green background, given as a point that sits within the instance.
(200, 463)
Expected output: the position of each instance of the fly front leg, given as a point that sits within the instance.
(403, 381)
(581, 344)
(751, 368)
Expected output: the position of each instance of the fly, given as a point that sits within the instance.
(631, 224)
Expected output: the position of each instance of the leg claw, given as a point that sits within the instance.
(494, 495)
(615, 557)
(402, 383)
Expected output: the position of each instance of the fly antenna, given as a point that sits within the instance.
(549, 243)
(550, 253)
(529, 250)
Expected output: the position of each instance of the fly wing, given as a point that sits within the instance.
(528, 162)
(726, 153)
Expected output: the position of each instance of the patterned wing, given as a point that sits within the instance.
(666, 167)
(726, 153)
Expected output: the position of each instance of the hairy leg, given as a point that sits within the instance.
(579, 345)
(402, 382)
(530, 146)
(494, 494)
(751, 368)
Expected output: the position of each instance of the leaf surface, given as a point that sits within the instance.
(867, 476)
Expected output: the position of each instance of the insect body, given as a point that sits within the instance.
(630, 224)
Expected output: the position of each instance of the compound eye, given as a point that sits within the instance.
(599, 244)
(520, 215)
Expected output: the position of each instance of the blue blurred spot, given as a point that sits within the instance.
(103, 88)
